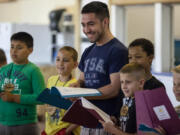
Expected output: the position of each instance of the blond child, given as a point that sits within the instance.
(141, 51)
(176, 82)
(132, 77)
(66, 61)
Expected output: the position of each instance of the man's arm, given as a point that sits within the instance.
(80, 82)
(108, 91)
(111, 90)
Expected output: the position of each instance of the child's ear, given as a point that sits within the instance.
(75, 64)
(142, 82)
(151, 57)
(30, 50)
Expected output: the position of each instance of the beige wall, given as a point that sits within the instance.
(30, 11)
(140, 19)
(140, 22)
(177, 22)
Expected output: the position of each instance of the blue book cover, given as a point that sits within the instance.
(145, 128)
(50, 97)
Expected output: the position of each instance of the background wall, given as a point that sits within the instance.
(30, 11)
(140, 22)
(177, 21)
(140, 19)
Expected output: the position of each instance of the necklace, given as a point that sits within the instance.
(53, 111)
(124, 116)
(124, 110)
(70, 77)
(127, 102)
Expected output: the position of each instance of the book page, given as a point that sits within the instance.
(72, 91)
(89, 105)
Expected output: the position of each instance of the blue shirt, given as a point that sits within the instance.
(97, 63)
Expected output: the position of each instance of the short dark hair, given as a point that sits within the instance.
(99, 8)
(2, 56)
(145, 44)
(137, 70)
(23, 37)
(72, 51)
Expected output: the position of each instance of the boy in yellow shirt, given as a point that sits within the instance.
(66, 61)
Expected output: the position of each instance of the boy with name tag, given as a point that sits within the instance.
(132, 77)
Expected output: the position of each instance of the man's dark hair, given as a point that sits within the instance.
(98, 8)
(145, 44)
(23, 37)
(2, 56)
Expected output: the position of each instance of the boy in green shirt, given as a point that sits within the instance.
(20, 83)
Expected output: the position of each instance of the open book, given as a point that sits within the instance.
(49, 97)
(153, 108)
(76, 92)
(57, 96)
(83, 112)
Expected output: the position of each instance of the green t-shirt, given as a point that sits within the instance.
(28, 83)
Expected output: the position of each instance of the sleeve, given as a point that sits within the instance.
(85, 53)
(117, 60)
(38, 85)
(81, 63)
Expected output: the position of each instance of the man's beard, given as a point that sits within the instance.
(98, 38)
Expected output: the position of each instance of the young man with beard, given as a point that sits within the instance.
(101, 62)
